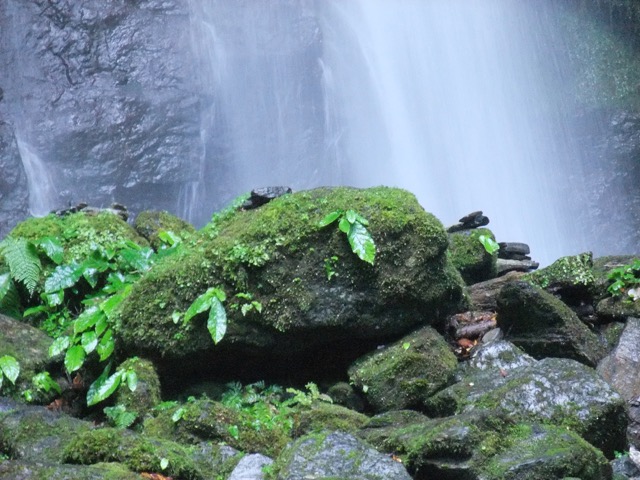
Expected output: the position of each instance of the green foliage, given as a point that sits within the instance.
(247, 305)
(217, 321)
(354, 226)
(625, 280)
(330, 267)
(23, 261)
(107, 384)
(489, 244)
(307, 398)
(9, 369)
(42, 382)
(119, 417)
(9, 297)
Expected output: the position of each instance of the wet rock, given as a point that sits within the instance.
(14, 193)
(470, 257)
(483, 295)
(620, 367)
(504, 265)
(37, 470)
(553, 390)
(337, 455)
(343, 393)
(571, 278)
(618, 309)
(250, 467)
(625, 466)
(470, 221)
(509, 249)
(405, 373)
(326, 416)
(470, 325)
(499, 356)
(543, 326)
(260, 196)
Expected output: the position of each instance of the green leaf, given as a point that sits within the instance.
(200, 304)
(178, 414)
(234, 431)
(55, 298)
(43, 381)
(330, 218)
(131, 378)
(489, 244)
(101, 325)
(164, 463)
(103, 387)
(119, 416)
(59, 345)
(344, 225)
(257, 305)
(9, 296)
(87, 319)
(361, 243)
(52, 247)
(89, 341)
(217, 322)
(64, 276)
(351, 216)
(106, 345)
(74, 358)
(22, 258)
(10, 367)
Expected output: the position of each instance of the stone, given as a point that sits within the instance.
(505, 265)
(405, 373)
(150, 223)
(543, 326)
(260, 196)
(617, 309)
(620, 367)
(498, 356)
(470, 257)
(250, 467)
(483, 295)
(337, 455)
(571, 278)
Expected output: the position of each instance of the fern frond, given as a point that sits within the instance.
(21, 257)
(9, 298)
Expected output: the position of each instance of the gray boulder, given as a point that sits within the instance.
(337, 455)
(250, 467)
(556, 391)
(620, 367)
(543, 326)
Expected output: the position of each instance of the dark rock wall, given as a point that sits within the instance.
(104, 93)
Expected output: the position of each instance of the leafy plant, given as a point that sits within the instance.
(42, 382)
(307, 398)
(330, 267)
(119, 417)
(248, 305)
(9, 369)
(489, 244)
(210, 300)
(354, 226)
(21, 256)
(625, 280)
(105, 385)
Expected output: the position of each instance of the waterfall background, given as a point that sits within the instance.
(499, 105)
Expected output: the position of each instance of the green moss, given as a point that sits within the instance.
(150, 222)
(80, 232)
(566, 273)
(147, 392)
(469, 256)
(326, 416)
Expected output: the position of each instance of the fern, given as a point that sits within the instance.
(22, 258)
(9, 298)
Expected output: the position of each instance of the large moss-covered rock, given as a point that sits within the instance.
(482, 444)
(555, 391)
(80, 232)
(147, 392)
(543, 326)
(405, 373)
(569, 277)
(37, 470)
(470, 257)
(314, 292)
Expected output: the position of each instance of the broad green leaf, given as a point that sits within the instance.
(55, 298)
(64, 276)
(217, 322)
(74, 358)
(361, 243)
(330, 218)
(101, 325)
(246, 308)
(103, 388)
(489, 244)
(119, 415)
(52, 248)
(111, 303)
(344, 225)
(361, 219)
(200, 304)
(178, 414)
(257, 306)
(89, 341)
(169, 237)
(138, 258)
(59, 345)
(34, 310)
(132, 380)
(43, 381)
(176, 316)
(164, 463)
(106, 345)
(220, 295)
(87, 319)
(10, 367)
(351, 216)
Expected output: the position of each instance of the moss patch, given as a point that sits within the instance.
(469, 256)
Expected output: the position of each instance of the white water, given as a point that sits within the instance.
(42, 192)
(444, 98)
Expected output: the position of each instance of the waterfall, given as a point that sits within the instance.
(42, 192)
(451, 100)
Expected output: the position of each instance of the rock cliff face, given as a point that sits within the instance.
(103, 92)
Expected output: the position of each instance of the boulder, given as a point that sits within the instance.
(620, 367)
(617, 309)
(147, 392)
(279, 257)
(37, 470)
(469, 256)
(543, 326)
(483, 295)
(571, 278)
(555, 391)
(150, 223)
(336, 455)
(505, 265)
(250, 467)
(482, 444)
(405, 373)
(497, 356)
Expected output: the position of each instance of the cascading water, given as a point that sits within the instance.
(42, 194)
(444, 98)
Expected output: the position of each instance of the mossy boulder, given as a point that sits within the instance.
(543, 326)
(207, 420)
(313, 291)
(30, 347)
(80, 232)
(150, 223)
(38, 470)
(147, 392)
(553, 391)
(618, 309)
(326, 416)
(405, 373)
(470, 257)
(482, 444)
(570, 277)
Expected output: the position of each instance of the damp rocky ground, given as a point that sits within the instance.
(330, 333)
